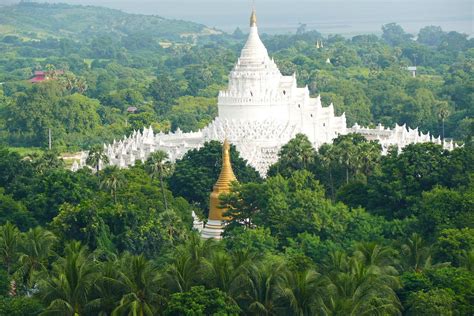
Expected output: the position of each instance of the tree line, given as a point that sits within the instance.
(176, 85)
(384, 235)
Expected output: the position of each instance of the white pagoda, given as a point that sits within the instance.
(259, 112)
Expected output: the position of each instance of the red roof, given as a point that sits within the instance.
(37, 79)
(42, 75)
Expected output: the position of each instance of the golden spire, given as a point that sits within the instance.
(253, 18)
(222, 185)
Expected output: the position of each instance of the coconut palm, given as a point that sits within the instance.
(373, 254)
(96, 157)
(360, 288)
(108, 289)
(141, 281)
(9, 239)
(227, 272)
(263, 292)
(112, 180)
(81, 85)
(186, 268)
(304, 291)
(36, 248)
(157, 168)
(67, 289)
(416, 254)
(172, 224)
(182, 273)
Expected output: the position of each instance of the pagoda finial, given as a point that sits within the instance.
(227, 174)
(253, 17)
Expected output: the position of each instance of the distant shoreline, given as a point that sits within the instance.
(329, 18)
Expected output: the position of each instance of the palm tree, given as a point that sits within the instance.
(157, 168)
(443, 113)
(186, 267)
(68, 288)
(35, 250)
(344, 152)
(182, 273)
(172, 224)
(327, 158)
(304, 291)
(227, 272)
(361, 288)
(81, 85)
(112, 180)
(141, 281)
(368, 154)
(108, 289)
(416, 254)
(263, 288)
(373, 254)
(9, 239)
(298, 153)
(96, 157)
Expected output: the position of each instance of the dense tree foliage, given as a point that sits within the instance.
(121, 242)
(171, 81)
(342, 230)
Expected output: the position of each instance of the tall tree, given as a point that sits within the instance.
(9, 240)
(186, 267)
(304, 291)
(359, 287)
(141, 283)
(298, 154)
(416, 254)
(67, 289)
(96, 157)
(158, 168)
(263, 292)
(36, 249)
(112, 180)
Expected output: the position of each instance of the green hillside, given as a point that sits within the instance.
(34, 20)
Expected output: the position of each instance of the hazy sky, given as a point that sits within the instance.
(329, 16)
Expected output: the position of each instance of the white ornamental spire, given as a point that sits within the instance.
(254, 48)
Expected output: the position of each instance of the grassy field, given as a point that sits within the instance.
(25, 151)
(68, 157)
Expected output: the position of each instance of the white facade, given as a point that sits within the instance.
(259, 112)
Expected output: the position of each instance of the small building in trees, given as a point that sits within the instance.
(41, 76)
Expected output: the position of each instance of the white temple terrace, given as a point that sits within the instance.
(259, 112)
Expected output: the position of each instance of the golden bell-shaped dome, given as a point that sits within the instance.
(222, 185)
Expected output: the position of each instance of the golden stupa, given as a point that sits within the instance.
(222, 185)
(215, 223)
